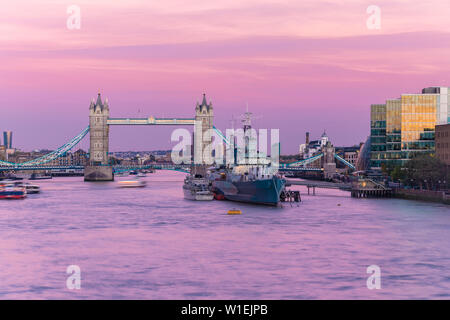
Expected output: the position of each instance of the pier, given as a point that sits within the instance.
(367, 188)
(312, 185)
(363, 188)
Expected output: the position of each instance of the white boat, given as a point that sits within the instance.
(32, 188)
(29, 187)
(131, 184)
(141, 174)
(197, 188)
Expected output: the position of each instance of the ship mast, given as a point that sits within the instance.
(246, 120)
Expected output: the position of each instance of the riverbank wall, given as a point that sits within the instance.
(423, 195)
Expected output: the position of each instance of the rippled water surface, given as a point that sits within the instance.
(150, 243)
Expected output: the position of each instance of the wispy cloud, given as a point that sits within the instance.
(310, 57)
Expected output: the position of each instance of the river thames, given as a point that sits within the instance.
(150, 243)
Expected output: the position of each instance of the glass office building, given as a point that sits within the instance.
(7, 139)
(419, 118)
(377, 133)
(404, 127)
(394, 131)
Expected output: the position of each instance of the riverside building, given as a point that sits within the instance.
(403, 127)
(443, 143)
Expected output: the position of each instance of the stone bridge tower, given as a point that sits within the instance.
(98, 168)
(329, 163)
(204, 117)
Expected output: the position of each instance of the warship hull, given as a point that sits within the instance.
(265, 192)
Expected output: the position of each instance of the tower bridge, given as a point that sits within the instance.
(98, 167)
(100, 121)
(328, 158)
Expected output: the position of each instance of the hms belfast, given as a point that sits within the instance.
(254, 182)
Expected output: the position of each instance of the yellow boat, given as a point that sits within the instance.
(234, 211)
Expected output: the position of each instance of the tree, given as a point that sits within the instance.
(398, 174)
(426, 171)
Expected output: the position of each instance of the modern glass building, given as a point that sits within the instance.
(419, 118)
(404, 127)
(394, 131)
(377, 133)
(7, 139)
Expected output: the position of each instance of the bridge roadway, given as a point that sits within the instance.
(117, 168)
(150, 121)
(294, 169)
(319, 184)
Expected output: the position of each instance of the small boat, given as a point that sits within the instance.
(35, 176)
(197, 188)
(141, 174)
(234, 211)
(133, 173)
(32, 188)
(11, 190)
(131, 184)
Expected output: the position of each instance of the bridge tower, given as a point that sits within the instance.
(204, 117)
(329, 163)
(98, 168)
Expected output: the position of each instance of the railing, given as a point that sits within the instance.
(221, 135)
(150, 121)
(304, 162)
(348, 164)
(117, 169)
(180, 168)
(286, 169)
(301, 162)
(38, 168)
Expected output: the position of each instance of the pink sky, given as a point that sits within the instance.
(302, 66)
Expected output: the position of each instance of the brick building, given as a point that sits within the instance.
(443, 143)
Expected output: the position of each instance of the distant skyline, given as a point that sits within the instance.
(300, 65)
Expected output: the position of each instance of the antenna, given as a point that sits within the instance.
(232, 121)
(247, 118)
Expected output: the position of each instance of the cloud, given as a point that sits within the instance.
(315, 59)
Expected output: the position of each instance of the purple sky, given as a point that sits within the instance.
(301, 65)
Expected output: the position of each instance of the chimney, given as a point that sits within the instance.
(307, 138)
